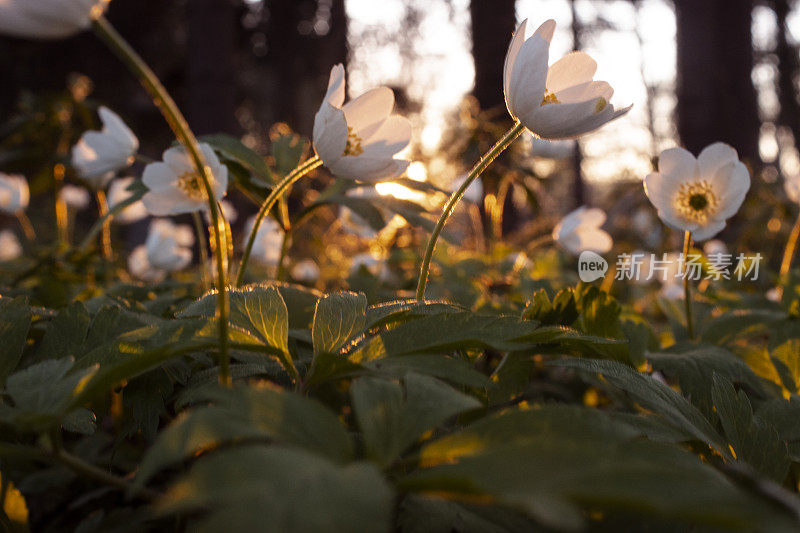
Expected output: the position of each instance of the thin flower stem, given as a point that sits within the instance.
(273, 197)
(539, 242)
(25, 224)
(687, 284)
(788, 254)
(201, 246)
(451, 204)
(106, 32)
(287, 239)
(105, 238)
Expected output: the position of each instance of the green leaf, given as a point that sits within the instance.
(337, 318)
(654, 396)
(754, 440)
(66, 334)
(392, 417)
(13, 333)
(274, 489)
(248, 413)
(696, 367)
(233, 149)
(287, 149)
(556, 463)
(451, 369)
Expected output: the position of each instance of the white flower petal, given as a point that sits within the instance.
(677, 162)
(511, 57)
(368, 168)
(528, 76)
(570, 121)
(330, 133)
(392, 137)
(731, 182)
(365, 114)
(708, 231)
(715, 156)
(573, 69)
(336, 85)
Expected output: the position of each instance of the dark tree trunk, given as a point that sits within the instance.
(716, 97)
(788, 69)
(211, 73)
(493, 24)
(305, 39)
(579, 189)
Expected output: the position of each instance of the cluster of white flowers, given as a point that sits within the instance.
(167, 249)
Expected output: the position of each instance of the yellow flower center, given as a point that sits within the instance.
(353, 146)
(550, 98)
(600, 105)
(696, 202)
(192, 186)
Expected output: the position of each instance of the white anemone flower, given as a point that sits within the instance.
(359, 140)
(48, 19)
(698, 195)
(14, 193)
(99, 154)
(306, 271)
(167, 249)
(580, 231)
(117, 193)
(176, 187)
(76, 198)
(10, 248)
(561, 102)
(267, 244)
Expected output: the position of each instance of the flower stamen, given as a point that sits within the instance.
(550, 98)
(190, 184)
(353, 146)
(696, 202)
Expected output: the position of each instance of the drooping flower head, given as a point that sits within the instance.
(48, 19)
(99, 154)
(580, 231)
(14, 193)
(176, 187)
(698, 194)
(118, 192)
(359, 140)
(561, 102)
(167, 249)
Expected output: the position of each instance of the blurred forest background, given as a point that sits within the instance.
(698, 71)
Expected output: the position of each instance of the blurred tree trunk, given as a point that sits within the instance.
(716, 97)
(493, 24)
(788, 69)
(305, 39)
(578, 191)
(211, 66)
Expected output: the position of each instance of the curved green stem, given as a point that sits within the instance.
(273, 197)
(485, 161)
(180, 127)
(687, 284)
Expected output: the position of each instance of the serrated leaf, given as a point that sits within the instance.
(247, 413)
(16, 320)
(754, 440)
(654, 396)
(275, 489)
(66, 334)
(337, 318)
(392, 417)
